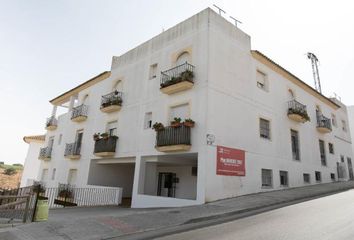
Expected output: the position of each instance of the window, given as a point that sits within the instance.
(78, 140)
(112, 128)
(72, 176)
(307, 178)
(153, 71)
(341, 158)
(44, 176)
(334, 120)
(318, 176)
(344, 126)
(180, 111)
(333, 177)
(264, 128)
(295, 145)
(283, 178)
(53, 173)
(60, 138)
(330, 148)
(148, 120)
(267, 178)
(322, 153)
(50, 142)
(183, 58)
(261, 80)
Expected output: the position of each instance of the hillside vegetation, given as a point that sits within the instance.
(10, 175)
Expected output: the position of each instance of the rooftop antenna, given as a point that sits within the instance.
(220, 10)
(236, 21)
(316, 76)
(336, 96)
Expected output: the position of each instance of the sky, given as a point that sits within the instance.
(49, 47)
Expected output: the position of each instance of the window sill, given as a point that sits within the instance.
(267, 187)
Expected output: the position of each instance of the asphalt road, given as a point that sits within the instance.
(330, 217)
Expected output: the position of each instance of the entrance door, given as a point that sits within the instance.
(166, 185)
(350, 168)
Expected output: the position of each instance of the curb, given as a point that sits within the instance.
(203, 222)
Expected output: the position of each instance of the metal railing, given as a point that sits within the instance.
(45, 152)
(173, 136)
(183, 72)
(79, 111)
(323, 121)
(106, 145)
(66, 195)
(113, 98)
(296, 107)
(51, 121)
(72, 149)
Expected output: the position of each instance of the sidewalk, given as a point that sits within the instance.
(115, 222)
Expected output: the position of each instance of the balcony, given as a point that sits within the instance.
(111, 102)
(177, 79)
(105, 147)
(297, 112)
(72, 151)
(323, 124)
(45, 153)
(173, 139)
(79, 113)
(51, 124)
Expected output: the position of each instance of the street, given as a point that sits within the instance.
(330, 217)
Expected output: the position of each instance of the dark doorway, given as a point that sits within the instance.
(167, 184)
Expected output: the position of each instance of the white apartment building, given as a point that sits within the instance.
(257, 126)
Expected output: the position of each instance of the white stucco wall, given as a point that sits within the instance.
(31, 169)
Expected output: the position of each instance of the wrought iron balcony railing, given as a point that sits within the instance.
(183, 72)
(323, 122)
(51, 121)
(106, 145)
(296, 107)
(113, 98)
(173, 136)
(45, 153)
(79, 111)
(72, 149)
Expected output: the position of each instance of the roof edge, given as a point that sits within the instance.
(64, 97)
(34, 138)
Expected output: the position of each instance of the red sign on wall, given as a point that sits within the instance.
(230, 161)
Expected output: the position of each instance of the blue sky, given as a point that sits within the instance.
(48, 47)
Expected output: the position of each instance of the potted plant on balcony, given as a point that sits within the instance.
(188, 123)
(300, 112)
(96, 136)
(187, 76)
(104, 136)
(177, 122)
(158, 126)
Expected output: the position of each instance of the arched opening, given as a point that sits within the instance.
(291, 94)
(118, 86)
(85, 99)
(183, 58)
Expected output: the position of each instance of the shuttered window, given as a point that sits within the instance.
(295, 145)
(267, 178)
(264, 128)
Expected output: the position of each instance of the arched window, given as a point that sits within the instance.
(117, 86)
(291, 94)
(182, 58)
(85, 99)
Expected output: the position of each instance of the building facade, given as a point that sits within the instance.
(32, 166)
(208, 93)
